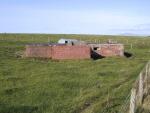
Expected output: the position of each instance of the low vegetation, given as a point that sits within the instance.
(29, 85)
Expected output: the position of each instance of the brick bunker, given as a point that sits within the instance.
(72, 49)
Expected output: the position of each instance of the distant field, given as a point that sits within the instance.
(71, 86)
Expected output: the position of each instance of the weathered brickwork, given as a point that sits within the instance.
(107, 50)
(38, 51)
(85, 51)
(71, 52)
(59, 51)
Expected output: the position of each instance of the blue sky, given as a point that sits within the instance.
(75, 16)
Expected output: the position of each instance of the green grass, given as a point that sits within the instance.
(71, 86)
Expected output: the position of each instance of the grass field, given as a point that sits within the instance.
(29, 85)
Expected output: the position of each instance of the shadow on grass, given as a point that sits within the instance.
(96, 56)
(4, 108)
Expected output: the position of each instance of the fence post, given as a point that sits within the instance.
(48, 40)
(131, 46)
(148, 77)
(133, 101)
(146, 80)
(140, 90)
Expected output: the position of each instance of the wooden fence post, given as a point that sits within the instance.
(48, 39)
(140, 90)
(133, 101)
(148, 77)
(146, 80)
(149, 68)
(131, 46)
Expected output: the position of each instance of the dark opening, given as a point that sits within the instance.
(96, 56)
(72, 43)
(66, 42)
(95, 48)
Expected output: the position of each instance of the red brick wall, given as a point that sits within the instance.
(71, 52)
(111, 50)
(38, 51)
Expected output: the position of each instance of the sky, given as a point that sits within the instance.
(75, 16)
